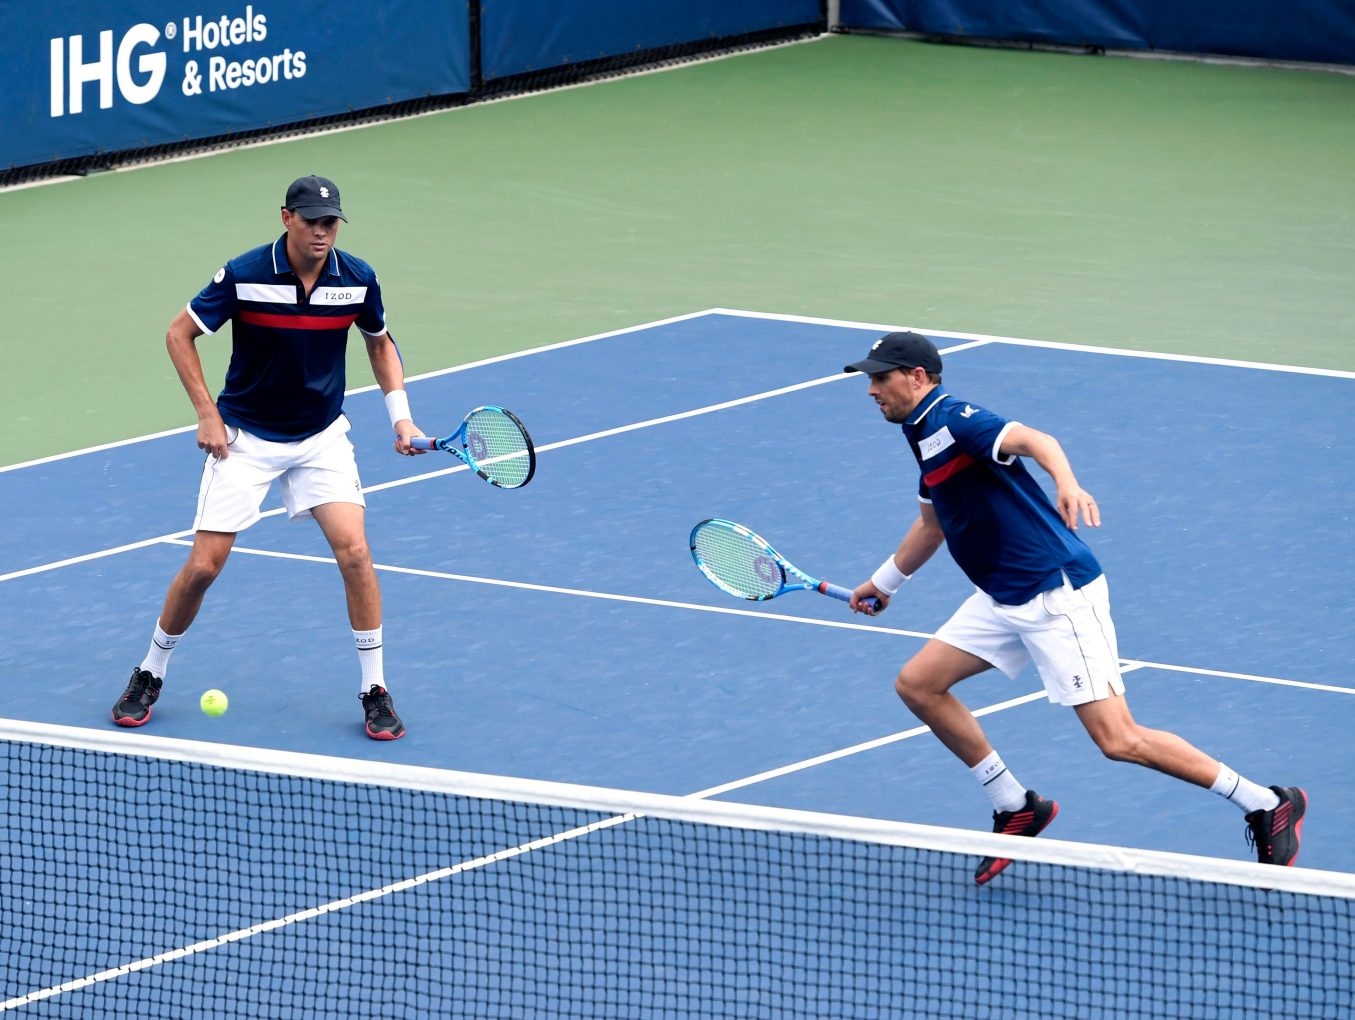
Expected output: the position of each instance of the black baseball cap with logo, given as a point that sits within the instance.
(314, 198)
(899, 350)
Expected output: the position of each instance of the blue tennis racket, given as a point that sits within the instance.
(744, 564)
(493, 443)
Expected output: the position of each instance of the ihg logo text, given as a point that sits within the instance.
(138, 68)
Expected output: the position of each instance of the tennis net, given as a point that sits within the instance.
(153, 877)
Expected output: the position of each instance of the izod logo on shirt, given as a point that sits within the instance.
(935, 443)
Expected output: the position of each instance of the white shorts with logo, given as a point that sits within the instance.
(320, 469)
(1067, 632)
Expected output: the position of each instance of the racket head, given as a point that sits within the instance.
(737, 561)
(497, 446)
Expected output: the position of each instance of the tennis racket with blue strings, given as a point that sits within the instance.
(493, 443)
(744, 564)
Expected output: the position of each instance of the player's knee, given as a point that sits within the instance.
(353, 554)
(1121, 745)
(908, 686)
(202, 569)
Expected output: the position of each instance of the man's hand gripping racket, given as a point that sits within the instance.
(743, 564)
(493, 443)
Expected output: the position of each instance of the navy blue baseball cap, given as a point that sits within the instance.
(314, 198)
(899, 350)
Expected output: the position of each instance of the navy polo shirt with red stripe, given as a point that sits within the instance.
(286, 376)
(1000, 526)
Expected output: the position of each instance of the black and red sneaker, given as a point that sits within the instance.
(1275, 833)
(382, 722)
(134, 707)
(1028, 821)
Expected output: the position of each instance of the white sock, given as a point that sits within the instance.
(1000, 785)
(157, 656)
(369, 658)
(1243, 792)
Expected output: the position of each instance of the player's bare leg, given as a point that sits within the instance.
(344, 526)
(924, 684)
(190, 584)
(1120, 738)
(182, 602)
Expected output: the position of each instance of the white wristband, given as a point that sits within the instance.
(397, 406)
(888, 578)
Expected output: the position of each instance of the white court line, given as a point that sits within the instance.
(769, 316)
(305, 915)
(1126, 665)
(86, 557)
(459, 466)
(1193, 359)
(584, 593)
(1140, 664)
(650, 422)
(868, 745)
(367, 389)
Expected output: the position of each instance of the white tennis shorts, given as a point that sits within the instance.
(1067, 632)
(321, 469)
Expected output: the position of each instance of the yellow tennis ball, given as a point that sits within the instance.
(213, 702)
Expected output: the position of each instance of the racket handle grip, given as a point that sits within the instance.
(422, 443)
(843, 594)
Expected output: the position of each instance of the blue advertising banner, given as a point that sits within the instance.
(1313, 30)
(518, 36)
(84, 78)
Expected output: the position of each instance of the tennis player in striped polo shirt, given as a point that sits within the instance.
(280, 416)
(1041, 596)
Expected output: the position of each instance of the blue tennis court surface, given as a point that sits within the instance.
(560, 632)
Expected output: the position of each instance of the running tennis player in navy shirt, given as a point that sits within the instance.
(280, 416)
(1040, 596)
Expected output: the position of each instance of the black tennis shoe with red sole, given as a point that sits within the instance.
(1275, 833)
(1028, 821)
(134, 707)
(382, 723)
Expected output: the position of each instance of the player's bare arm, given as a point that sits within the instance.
(1070, 499)
(924, 537)
(181, 342)
(390, 375)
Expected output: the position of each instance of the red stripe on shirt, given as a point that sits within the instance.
(946, 470)
(297, 321)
